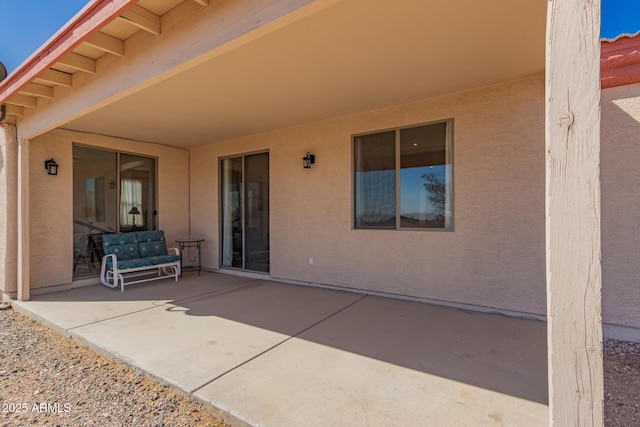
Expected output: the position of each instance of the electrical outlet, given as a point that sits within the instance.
(310, 261)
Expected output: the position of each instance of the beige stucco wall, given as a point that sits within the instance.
(8, 206)
(494, 258)
(620, 175)
(51, 198)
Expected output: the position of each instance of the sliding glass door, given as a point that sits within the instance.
(111, 192)
(245, 212)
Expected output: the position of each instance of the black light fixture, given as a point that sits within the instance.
(51, 166)
(308, 160)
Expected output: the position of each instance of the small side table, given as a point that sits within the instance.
(190, 242)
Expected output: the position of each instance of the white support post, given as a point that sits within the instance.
(24, 283)
(574, 281)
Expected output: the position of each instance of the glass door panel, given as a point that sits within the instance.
(245, 212)
(137, 193)
(104, 198)
(257, 212)
(94, 207)
(232, 221)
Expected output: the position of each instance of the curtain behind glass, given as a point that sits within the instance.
(375, 180)
(130, 197)
(137, 189)
(232, 200)
(227, 227)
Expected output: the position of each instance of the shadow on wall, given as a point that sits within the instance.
(620, 180)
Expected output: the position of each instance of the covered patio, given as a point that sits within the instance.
(182, 95)
(274, 354)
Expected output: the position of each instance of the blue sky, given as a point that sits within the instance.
(619, 17)
(26, 24)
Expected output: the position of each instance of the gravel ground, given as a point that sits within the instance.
(46, 379)
(621, 383)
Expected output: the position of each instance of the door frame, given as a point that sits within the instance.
(242, 155)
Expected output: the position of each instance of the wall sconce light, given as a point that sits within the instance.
(51, 166)
(308, 160)
(133, 212)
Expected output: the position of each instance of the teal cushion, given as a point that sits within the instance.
(118, 239)
(123, 252)
(133, 263)
(157, 248)
(150, 236)
(163, 259)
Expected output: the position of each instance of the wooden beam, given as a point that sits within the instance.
(106, 43)
(93, 17)
(33, 89)
(574, 278)
(203, 3)
(24, 238)
(14, 110)
(78, 62)
(142, 18)
(22, 101)
(54, 77)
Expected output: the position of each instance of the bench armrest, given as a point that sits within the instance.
(114, 263)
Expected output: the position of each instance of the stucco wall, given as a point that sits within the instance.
(620, 175)
(494, 258)
(51, 198)
(8, 206)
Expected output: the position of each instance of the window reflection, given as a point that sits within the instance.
(94, 206)
(422, 176)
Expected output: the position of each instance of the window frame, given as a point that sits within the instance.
(449, 153)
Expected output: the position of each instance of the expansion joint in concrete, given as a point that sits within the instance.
(280, 343)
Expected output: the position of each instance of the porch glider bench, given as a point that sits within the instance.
(137, 257)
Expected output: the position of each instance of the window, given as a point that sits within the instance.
(107, 186)
(403, 178)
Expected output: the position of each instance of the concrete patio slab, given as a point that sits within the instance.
(385, 362)
(90, 304)
(272, 354)
(191, 341)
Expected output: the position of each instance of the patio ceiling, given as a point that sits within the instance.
(353, 56)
